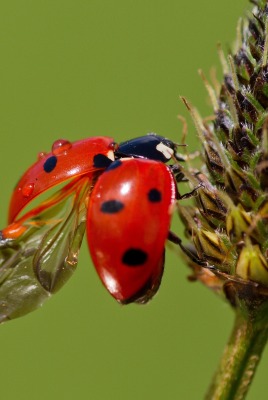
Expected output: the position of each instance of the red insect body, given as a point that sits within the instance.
(127, 215)
(67, 160)
(127, 225)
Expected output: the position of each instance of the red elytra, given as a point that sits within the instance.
(129, 212)
(66, 160)
(127, 225)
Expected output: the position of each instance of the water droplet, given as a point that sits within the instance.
(61, 146)
(41, 155)
(27, 189)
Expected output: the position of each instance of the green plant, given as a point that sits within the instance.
(227, 222)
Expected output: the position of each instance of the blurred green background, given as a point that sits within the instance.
(72, 69)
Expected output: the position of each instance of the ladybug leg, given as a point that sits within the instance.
(189, 194)
(184, 158)
(172, 237)
(180, 157)
(178, 174)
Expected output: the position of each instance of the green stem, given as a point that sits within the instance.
(241, 357)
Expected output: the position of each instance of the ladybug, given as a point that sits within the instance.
(122, 194)
(86, 157)
(128, 222)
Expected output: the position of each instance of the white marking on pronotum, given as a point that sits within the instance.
(165, 150)
(110, 155)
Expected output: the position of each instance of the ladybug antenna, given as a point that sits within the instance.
(173, 238)
(182, 144)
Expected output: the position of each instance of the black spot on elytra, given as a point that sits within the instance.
(134, 257)
(154, 196)
(111, 206)
(50, 164)
(101, 161)
(114, 165)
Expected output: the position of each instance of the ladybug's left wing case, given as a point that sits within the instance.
(69, 161)
(38, 252)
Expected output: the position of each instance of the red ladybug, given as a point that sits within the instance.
(129, 193)
(87, 157)
(127, 225)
